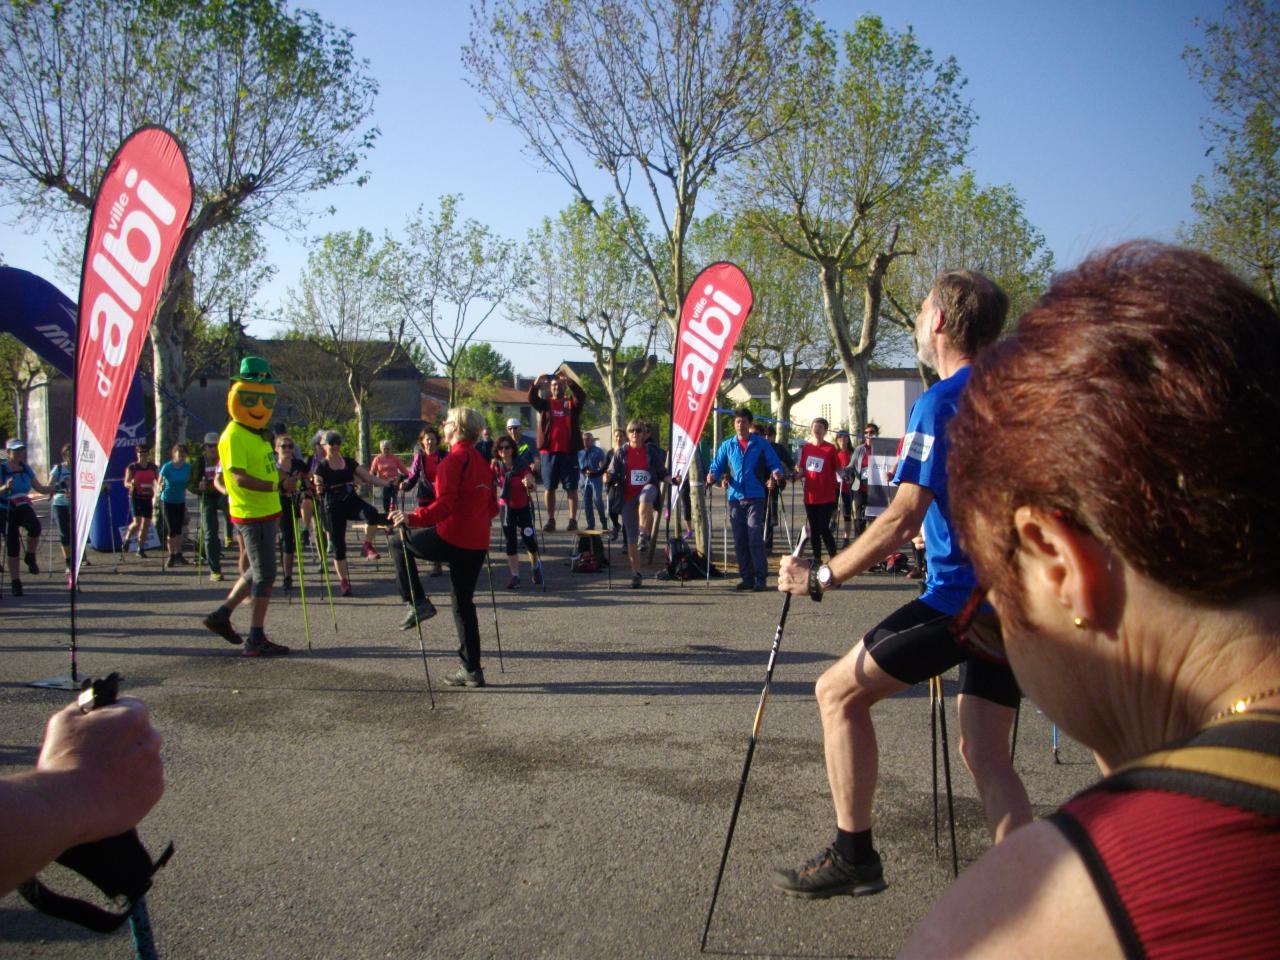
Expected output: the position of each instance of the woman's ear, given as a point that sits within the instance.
(1068, 563)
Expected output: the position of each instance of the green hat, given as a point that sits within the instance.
(255, 370)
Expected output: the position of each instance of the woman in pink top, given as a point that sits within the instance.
(387, 466)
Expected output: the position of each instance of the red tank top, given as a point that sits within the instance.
(1185, 857)
(144, 479)
(638, 476)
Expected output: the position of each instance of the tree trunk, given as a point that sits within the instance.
(782, 401)
(166, 362)
(360, 402)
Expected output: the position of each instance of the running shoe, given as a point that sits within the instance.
(513, 583)
(288, 582)
(370, 551)
(537, 574)
(264, 648)
(221, 625)
(760, 587)
(30, 559)
(16, 588)
(550, 525)
(142, 554)
(744, 585)
(181, 561)
(216, 576)
(423, 611)
(465, 678)
(615, 533)
(642, 543)
(829, 874)
(572, 524)
(345, 587)
(636, 580)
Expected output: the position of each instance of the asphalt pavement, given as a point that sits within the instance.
(576, 807)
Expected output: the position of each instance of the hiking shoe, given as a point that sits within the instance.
(371, 552)
(828, 875)
(550, 525)
(288, 582)
(264, 648)
(345, 588)
(760, 586)
(537, 574)
(636, 580)
(423, 611)
(16, 588)
(142, 554)
(216, 576)
(465, 678)
(182, 561)
(513, 583)
(221, 625)
(572, 524)
(642, 542)
(744, 585)
(614, 534)
(30, 559)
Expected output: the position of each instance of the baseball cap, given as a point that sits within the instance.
(211, 439)
(15, 444)
(513, 422)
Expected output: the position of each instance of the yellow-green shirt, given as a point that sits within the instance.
(241, 447)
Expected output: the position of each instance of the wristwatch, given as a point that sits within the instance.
(819, 580)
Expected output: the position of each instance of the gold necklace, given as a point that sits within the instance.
(1243, 704)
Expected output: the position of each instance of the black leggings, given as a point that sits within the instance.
(62, 517)
(846, 504)
(22, 517)
(464, 571)
(819, 517)
(337, 515)
(519, 520)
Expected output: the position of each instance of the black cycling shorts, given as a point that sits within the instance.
(915, 643)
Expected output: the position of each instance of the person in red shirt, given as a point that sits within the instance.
(818, 468)
(140, 478)
(456, 531)
(514, 478)
(559, 440)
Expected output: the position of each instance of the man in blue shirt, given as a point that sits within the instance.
(962, 314)
(734, 468)
(591, 465)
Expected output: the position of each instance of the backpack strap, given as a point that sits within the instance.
(1235, 761)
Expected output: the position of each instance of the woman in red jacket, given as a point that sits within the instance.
(456, 531)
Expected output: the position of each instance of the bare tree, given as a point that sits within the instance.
(344, 306)
(450, 277)
(655, 96)
(585, 284)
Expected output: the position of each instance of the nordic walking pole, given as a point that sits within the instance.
(946, 775)
(199, 536)
(1013, 744)
(1055, 744)
(111, 518)
(706, 560)
(933, 739)
(493, 599)
(538, 535)
(782, 509)
(302, 577)
(324, 568)
(422, 645)
(751, 749)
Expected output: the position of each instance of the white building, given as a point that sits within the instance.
(890, 395)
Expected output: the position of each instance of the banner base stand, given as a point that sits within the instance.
(57, 683)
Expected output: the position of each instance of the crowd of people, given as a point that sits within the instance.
(1136, 604)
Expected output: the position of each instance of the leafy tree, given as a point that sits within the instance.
(450, 275)
(785, 339)
(586, 284)
(479, 361)
(344, 306)
(882, 121)
(20, 370)
(655, 96)
(270, 104)
(960, 225)
(1238, 208)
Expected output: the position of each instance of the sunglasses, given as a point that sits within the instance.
(250, 400)
(286, 446)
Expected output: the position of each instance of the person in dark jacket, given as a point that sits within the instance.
(559, 440)
(634, 475)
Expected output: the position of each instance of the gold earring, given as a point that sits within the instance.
(1081, 623)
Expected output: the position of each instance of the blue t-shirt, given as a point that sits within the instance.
(61, 480)
(20, 492)
(173, 481)
(924, 462)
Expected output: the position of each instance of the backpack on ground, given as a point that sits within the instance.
(681, 562)
(588, 555)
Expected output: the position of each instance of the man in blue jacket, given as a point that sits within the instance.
(734, 468)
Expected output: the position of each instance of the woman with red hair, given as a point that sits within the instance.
(1115, 481)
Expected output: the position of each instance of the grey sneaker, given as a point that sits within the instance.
(422, 612)
(465, 678)
(828, 875)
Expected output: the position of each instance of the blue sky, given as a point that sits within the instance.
(1085, 108)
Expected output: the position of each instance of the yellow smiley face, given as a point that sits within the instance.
(251, 403)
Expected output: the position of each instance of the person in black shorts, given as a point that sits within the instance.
(17, 480)
(962, 314)
(334, 479)
(140, 478)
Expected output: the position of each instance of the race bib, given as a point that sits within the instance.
(639, 478)
(814, 464)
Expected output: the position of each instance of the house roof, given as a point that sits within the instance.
(757, 386)
(438, 388)
(298, 356)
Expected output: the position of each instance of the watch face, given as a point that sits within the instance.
(824, 575)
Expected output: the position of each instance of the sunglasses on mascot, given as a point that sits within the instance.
(249, 400)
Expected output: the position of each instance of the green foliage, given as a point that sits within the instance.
(480, 361)
(1238, 207)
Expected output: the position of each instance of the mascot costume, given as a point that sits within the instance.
(253, 480)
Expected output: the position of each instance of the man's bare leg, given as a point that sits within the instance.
(984, 746)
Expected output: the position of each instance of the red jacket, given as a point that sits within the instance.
(465, 503)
